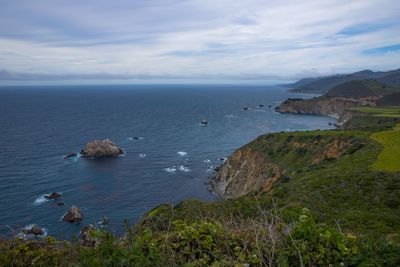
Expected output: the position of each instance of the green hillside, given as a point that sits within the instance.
(361, 89)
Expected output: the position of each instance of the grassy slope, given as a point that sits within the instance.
(388, 159)
(387, 112)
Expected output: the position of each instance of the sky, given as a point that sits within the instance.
(75, 41)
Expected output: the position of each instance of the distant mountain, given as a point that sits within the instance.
(361, 89)
(389, 100)
(323, 84)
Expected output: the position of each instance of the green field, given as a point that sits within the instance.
(390, 112)
(389, 158)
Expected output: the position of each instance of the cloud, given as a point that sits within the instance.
(249, 39)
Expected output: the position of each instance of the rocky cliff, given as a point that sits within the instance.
(271, 158)
(324, 106)
(245, 171)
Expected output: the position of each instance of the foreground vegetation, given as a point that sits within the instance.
(265, 239)
(336, 204)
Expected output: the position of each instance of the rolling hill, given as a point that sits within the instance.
(321, 85)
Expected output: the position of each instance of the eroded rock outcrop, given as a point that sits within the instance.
(34, 230)
(74, 215)
(245, 171)
(101, 149)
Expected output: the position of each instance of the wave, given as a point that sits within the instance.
(184, 169)
(135, 138)
(230, 116)
(41, 199)
(207, 161)
(170, 169)
(181, 153)
(142, 155)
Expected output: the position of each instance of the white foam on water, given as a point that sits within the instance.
(170, 169)
(184, 169)
(41, 199)
(142, 155)
(135, 138)
(206, 161)
(181, 153)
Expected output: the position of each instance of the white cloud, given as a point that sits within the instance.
(194, 38)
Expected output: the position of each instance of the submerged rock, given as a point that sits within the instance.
(53, 195)
(60, 204)
(245, 108)
(34, 230)
(101, 149)
(70, 155)
(74, 215)
(204, 122)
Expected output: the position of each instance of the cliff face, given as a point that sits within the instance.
(323, 106)
(270, 158)
(246, 170)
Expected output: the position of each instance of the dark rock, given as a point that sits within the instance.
(101, 149)
(245, 108)
(70, 155)
(204, 122)
(87, 239)
(34, 230)
(60, 204)
(136, 138)
(261, 105)
(74, 215)
(269, 106)
(53, 195)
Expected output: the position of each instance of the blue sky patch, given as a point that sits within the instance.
(382, 50)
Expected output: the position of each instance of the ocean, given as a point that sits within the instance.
(169, 154)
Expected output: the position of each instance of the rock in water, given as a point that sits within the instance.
(71, 155)
(74, 215)
(53, 195)
(101, 149)
(34, 230)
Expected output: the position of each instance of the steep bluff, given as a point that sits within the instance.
(334, 106)
(258, 166)
(246, 170)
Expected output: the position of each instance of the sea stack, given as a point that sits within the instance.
(101, 149)
(74, 215)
